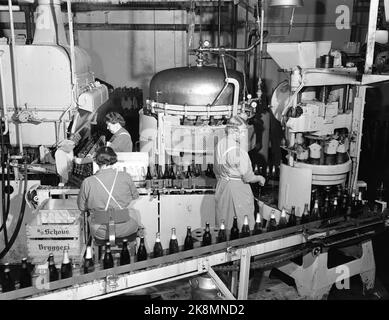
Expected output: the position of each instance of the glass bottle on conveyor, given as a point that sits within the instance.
(207, 237)
(89, 264)
(272, 224)
(166, 177)
(108, 258)
(283, 223)
(335, 208)
(125, 257)
(173, 244)
(142, 252)
(8, 281)
(305, 218)
(158, 250)
(53, 271)
(66, 266)
(25, 279)
(149, 178)
(189, 176)
(292, 218)
(222, 236)
(315, 215)
(258, 224)
(326, 209)
(234, 233)
(245, 228)
(188, 243)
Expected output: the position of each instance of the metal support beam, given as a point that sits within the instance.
(373, 14)
(244, 274)
(220, 284)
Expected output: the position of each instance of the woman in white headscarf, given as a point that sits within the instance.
(233, 170)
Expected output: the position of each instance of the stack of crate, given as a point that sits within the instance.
(57, 226)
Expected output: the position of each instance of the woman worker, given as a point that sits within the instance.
(234, 172)
(108, 193)
(121, 140)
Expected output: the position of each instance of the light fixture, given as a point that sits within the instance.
(286, 3)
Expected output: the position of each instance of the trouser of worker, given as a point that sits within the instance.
(122, 230)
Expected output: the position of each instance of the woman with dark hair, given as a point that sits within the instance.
(107, 195)
(121, 140)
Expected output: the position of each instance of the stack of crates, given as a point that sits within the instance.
(57, 226)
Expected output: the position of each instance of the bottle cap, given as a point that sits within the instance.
(283, 213)
(65, 257)
(222, 226)
(88, 253)
(157, 237)
(246, 220)
(258, 218)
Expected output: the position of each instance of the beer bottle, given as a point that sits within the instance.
(142, 253)
(258, 224)
(360, 200)
(188, 243)
(353, 200)
(380, 192)
(272, 225)
(273, 173)
(8, 281)
(222, 236)
(314, 197)
(335, 208)
(166, 177)
(25, 275)
(172, 175)
(125, 257)
(245, 228)
(66, 266)
(328, 192)
(189, 176)
(256, 171)
(326, 208)
(89, 265)
(148, 178)
(292, 218)
(283, 223)
(344, 206)
(207, 237)
(53, 271)
(208, 172)
(108, 259)
(173, 244)
(234, 233)
(349, 213)
(268, 177)
(305, 216)
(316, 212)
(158, 250)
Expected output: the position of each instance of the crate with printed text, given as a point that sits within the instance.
(43, 239)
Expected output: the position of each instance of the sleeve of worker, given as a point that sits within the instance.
(82, 197)
(246, 168)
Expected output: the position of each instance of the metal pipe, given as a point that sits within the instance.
(3, 98)
(16, 82)
(71, 38)
(5, 8)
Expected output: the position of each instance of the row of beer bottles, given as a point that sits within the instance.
(25, 276)
(342, 195)
(178, 172)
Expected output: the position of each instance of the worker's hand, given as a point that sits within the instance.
(261, 180)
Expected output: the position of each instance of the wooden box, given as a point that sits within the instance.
(43, 239)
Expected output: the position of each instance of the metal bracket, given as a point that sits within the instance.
(111, 283)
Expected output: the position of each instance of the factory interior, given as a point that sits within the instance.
(194, 150)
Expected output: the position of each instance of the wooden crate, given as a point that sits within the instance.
(43, 239)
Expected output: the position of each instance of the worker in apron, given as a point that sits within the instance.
(107, 196)
(234, 173)
(121, 140)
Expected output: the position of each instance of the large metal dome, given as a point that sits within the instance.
(194, 86)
